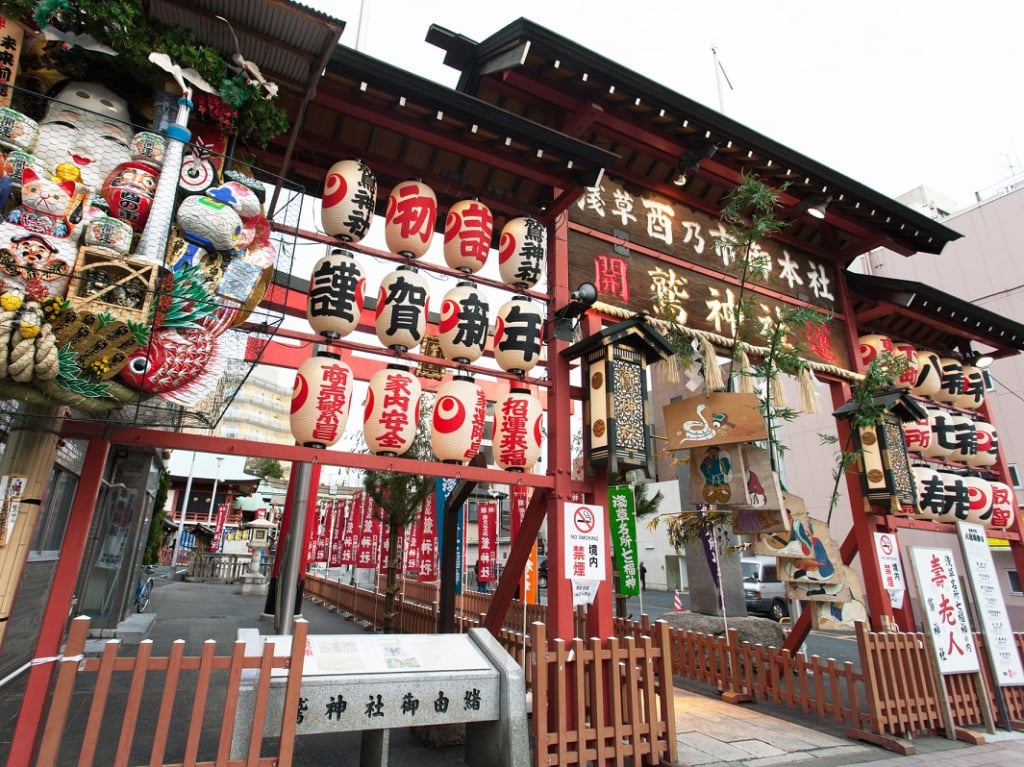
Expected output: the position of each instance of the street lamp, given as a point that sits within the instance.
(213, 498)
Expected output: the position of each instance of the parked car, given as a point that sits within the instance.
(764, 592)
(542, 572)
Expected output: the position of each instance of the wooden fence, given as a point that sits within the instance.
(183, 699)
(215, 567)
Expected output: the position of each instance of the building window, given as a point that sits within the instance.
(986, 376)
(54, 514)
(1014, 476)
(1014, 578)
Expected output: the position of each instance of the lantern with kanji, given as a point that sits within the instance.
(517, 335)
(963, 436)
(974, 389)
(457, 423)
(907, 353)
(1004, 506)
(872, 346)
(929, 374)
(518, 430)
(885, 472)
(321, 399)
(616, 431)
(521, 251)
(468, 230)
(410, 219)
(463, 323)
(979, 499)
(988, 445)
(392, 411)
(951, 382)
(335, 299)
(943, 429)
(402, 304)
(350, 194)
(941, 495)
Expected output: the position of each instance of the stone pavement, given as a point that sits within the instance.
(710, 732)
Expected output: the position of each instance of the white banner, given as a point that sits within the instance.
(586, 550)
(891, 568)
(988, 598)
(944, 610)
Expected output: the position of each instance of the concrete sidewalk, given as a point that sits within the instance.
(710, 732)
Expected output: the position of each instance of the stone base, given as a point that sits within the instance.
(441, 735)
(254, 584)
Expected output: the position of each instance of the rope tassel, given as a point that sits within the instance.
(808, 395)
(712, 372)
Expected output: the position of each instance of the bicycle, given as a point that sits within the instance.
(143, 592)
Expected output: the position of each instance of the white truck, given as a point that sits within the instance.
(764, 592)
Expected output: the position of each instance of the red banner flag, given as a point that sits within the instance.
(337, 531)
(351, 530)
(366, 548)
(412, 544)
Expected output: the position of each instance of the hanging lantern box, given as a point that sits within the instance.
(121, 287)
(617, 431)
(885, 472)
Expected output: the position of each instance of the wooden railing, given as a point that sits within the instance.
(895, 698)
(600, 702)
(141, 721)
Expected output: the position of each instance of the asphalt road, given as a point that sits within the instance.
(828, 644)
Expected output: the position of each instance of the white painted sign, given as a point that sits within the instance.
(586, 550)
(988, 599)
(891, 568)
(944, 610)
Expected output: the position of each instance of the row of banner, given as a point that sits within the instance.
(351, 531)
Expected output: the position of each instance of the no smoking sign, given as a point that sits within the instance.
(586, 549)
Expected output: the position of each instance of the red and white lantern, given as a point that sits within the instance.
(335, 300)
(929, 374)
(402, 304)
(463, 324)
(979, 499)
(962, 435)
(871, 346)
(518, 430)
(350, 195)
(918, 435)
(1004, 506)
(951, 384)
(321, 399)
(392, 411)
(974, 389)
(457, 424)
(410, 219)
(517, 332)
(468, 230)
(907, 353)
(941, 496)
(988, 445)
(521, 252)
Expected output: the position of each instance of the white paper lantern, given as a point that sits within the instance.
(463, 323)
(518, 430)
(872, 346)
(350, 195)
(321, 399)
(410, 219)
(979, 499)
(1004, 506)
(988, 444)
(974, 389)
(951, 385)
(929, 488)
(521, 252)
(907, 353)
(517, 335)
(402, 305)
(392, 411)
(963, 436)
(458, 420)
(335, 300)
(929, 374)
(941, 495)
(942, 429)
(468, 231)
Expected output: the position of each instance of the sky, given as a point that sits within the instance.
(893, 94)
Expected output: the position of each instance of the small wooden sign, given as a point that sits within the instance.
(720, 418)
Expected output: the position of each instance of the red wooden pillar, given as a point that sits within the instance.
(560, 610)
(51, 632)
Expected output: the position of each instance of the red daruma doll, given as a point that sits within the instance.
(129, 189)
